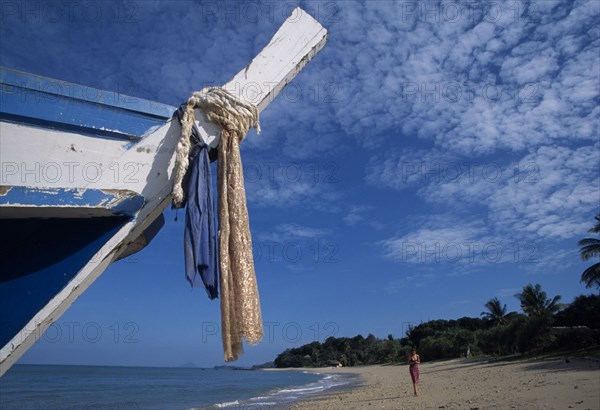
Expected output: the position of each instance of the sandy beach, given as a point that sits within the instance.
(470, 384)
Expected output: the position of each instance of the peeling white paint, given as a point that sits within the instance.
(79, 192)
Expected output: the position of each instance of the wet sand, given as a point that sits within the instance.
(470, 384)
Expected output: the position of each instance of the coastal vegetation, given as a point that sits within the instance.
(544, 325)
(590, 248)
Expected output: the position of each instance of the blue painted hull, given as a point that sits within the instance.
(43, 255)
(51, 103)
(60, 228)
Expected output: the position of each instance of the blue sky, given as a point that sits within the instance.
(431, 157)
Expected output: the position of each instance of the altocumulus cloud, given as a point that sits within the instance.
(504, 96)
(508, 88)
(472, 83)
(507, 105)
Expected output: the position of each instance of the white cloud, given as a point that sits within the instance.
(278, 184)
(554, 194)
(362, 215)
(550, 194)
(355, 215)
(413, 168)
(507, 292)
(468, 245)
(475, 84)
(291, 231)
(437, 244)
(416, 280)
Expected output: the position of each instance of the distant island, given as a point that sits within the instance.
(267, 365)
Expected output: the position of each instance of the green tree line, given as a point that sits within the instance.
(544, 325)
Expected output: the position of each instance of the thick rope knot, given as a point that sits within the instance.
(231, 113)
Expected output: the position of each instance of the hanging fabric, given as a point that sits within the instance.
(200, 238)
(240, 304)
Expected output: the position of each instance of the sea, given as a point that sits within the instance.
(49, 387)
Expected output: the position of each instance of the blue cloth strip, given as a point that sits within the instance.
(200, 237)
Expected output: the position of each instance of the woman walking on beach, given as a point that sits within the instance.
(413, 368)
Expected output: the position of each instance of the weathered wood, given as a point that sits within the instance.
(296, 42)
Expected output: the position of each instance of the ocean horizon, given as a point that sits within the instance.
(33, 386)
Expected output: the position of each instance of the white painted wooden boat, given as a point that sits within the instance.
(85, 175)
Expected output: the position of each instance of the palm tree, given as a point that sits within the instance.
(496, 312)
(534, 301)
(590, 247)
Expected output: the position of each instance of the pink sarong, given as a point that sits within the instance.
(414, 372)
